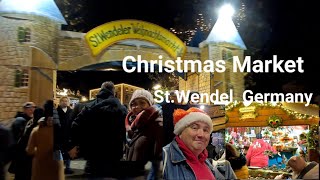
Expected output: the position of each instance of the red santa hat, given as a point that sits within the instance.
(183, 118)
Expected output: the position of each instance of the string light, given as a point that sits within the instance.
(312, 137)
(201, 25)
(289, 112)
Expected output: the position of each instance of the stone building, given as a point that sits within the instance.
(33, 48)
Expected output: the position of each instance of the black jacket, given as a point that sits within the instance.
(78, 107)
(6, 142)
(65, 122)
(168, 126)
(18, 125)
(99, 128)
(21, 162)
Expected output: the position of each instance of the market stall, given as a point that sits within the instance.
(74, 97)
(290, 129)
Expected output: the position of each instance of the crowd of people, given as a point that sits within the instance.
(117, 142)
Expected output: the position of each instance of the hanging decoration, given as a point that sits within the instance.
(289, 112)
(274, 121)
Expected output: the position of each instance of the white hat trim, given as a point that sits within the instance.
(190, 118)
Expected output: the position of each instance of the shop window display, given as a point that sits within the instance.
(284, 142)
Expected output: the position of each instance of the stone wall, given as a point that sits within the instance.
(45, 36)
(237, 78)
(205, 78)
(227, 80)
(71, 45)
(11, 98)
(17, 55)
(209, 82)
(13, 55)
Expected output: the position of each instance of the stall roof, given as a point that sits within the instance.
(46, 8)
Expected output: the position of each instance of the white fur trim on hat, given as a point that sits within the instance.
(189, 119)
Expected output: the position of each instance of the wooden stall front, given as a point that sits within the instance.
(258, 116)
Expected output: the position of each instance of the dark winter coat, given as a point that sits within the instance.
(78, 107)
(65, 122)
(19, 125)
(168, 126)
(6, 141)
(21, 162)
(99, 129)
(147, 136)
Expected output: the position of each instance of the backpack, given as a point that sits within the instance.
(307, 169)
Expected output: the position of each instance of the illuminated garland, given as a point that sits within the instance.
(291, 113)
(313, 136)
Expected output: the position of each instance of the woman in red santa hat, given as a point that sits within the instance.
(186, 156)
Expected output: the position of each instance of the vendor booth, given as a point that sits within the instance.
(289, 128)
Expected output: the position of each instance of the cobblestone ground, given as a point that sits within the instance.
(78, 167)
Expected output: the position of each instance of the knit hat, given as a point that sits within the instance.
(143, 94)
(183, 118)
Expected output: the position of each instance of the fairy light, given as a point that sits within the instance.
(289, 112)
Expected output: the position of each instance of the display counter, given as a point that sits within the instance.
(290, 128)
(265, 174)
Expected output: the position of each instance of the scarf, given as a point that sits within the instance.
(197, 164)
(142, 119)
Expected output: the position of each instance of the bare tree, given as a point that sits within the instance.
(74, 13)
(168, 81)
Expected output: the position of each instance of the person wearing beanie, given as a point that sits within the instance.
(186, 156)
(144, 132)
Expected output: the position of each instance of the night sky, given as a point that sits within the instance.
(274, 27)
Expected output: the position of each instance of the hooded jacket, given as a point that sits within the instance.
(18, 126)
